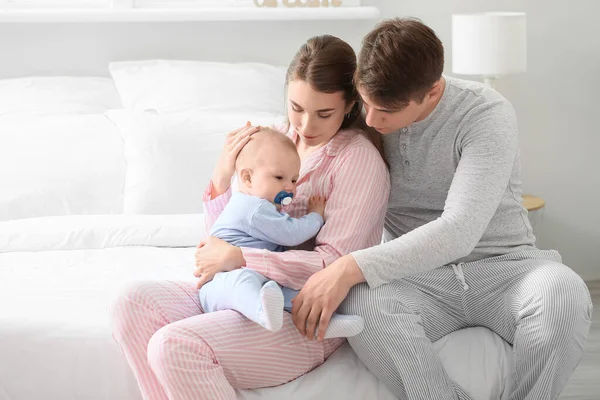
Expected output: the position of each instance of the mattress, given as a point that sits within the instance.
(58, 274)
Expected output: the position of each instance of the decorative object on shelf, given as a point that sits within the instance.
(266, 3)
(311, 3)
(489, 44)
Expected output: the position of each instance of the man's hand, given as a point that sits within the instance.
(322, 295)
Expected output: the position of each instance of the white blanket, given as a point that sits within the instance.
(58, 274)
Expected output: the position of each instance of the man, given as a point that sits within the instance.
(459, 250)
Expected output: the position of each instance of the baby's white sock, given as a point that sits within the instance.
(271, 313)
(344, 326)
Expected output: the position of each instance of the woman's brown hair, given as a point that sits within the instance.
(328, 65)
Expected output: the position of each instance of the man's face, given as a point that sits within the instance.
(386, 120)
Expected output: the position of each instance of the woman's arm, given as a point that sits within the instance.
(489, 149)
(354, 220)
(225, 168)
(218, 192)
(213, 206)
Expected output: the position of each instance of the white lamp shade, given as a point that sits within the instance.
(489, 44)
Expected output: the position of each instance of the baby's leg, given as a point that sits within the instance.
(270, 314)
(247, 292)
(339, 326)
(288, 295)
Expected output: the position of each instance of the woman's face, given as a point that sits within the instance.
(316, 117)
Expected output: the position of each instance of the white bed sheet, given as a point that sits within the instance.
(55, 340)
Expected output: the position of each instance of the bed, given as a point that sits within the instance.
(100, 184)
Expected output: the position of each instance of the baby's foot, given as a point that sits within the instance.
(271, 313)
(344, 326)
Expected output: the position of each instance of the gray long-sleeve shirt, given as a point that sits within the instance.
(456, 187)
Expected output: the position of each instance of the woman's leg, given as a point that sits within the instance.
(138, 312)
(205, 356)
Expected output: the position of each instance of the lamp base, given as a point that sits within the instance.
(490, 81)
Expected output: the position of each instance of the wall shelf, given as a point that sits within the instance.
(183, 15)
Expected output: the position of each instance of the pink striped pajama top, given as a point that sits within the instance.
(178, 352)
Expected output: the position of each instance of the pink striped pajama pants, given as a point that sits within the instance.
(178, 352)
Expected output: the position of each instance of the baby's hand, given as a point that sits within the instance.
(317, 204)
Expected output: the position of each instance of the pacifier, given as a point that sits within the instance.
(283, 198)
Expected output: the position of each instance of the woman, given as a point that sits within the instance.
(176, 351)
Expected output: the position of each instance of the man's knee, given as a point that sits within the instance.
(388, 299)
(565, 300)
(360, 300)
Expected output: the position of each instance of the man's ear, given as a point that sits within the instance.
(246, 176)
(435, 89)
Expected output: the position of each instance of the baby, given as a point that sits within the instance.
(267, 169)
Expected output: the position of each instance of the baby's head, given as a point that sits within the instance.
(268, 164)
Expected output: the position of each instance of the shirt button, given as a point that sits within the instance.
(404, 130)
(406, 163)
(404, 146)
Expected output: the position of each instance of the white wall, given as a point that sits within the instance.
(87, 48)
(555, 100)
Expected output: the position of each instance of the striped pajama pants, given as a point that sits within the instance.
(178, 352)
(535, 303)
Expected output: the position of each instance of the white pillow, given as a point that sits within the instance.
(174, 86)
(57, 95)
(170, 158)
(59, 165)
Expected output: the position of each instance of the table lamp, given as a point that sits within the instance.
(489, 44)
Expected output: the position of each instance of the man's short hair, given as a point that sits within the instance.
(400, 60)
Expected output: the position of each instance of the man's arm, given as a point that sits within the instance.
(489, 149)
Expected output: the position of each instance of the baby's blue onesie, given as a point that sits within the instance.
(249, 221)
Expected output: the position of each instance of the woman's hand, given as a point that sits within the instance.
(225, 168)
(323, 294)
(214, 255)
